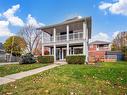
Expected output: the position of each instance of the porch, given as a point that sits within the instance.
(61, 51)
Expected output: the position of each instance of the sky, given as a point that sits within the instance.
(109, 17)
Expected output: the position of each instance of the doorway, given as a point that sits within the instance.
(64, 53)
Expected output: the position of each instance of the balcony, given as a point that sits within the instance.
(63, 38)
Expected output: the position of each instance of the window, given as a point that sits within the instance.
(78, 50)
(91, 46)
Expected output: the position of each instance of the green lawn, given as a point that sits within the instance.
(102, 79)
(15, 68)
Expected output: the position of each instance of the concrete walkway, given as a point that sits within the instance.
(13, 77)
(9, 63)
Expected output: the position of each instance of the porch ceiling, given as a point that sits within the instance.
(62, 28)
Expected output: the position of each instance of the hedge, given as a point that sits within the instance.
(75, 59)
(45, 59)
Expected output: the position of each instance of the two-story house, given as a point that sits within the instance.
(67, 38)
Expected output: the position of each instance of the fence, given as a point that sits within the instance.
(6, 58)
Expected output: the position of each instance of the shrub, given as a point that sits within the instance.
(45, 59)
(27, 59)
(75, 59)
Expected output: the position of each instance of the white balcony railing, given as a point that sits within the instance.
(76, 36)
(63, 38)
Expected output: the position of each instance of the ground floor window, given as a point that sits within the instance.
(78, 50)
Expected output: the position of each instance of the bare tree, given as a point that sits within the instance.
(120, 41)
(32, 36)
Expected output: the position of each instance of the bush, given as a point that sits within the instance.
(45, 59)
(75, 59)
(27, 59)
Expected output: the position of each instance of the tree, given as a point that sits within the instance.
(32, 36)
(124, 50)
(15, 45)
(119, 41)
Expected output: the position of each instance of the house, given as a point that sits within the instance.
(101, 51)
(97, 50)
(2, 53)
(67, 38)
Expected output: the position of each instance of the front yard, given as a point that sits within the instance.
(102, 79)
(16, 68)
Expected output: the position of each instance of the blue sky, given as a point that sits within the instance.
(108, 16)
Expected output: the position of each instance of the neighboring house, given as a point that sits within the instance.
(2, 53)
(5, 57)
(97, 50)
(67, 38)
(101, 51)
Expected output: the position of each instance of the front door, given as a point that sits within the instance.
(64, 53)
(57, 54)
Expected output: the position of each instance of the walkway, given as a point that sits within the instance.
(13, 77)
(9, 63)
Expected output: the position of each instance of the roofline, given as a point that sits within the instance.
(94, 43)
(64, 23)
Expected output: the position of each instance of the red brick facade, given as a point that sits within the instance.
(97, 51)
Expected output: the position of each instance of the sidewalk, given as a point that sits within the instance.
(9, 63)
(13, 77)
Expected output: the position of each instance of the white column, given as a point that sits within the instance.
(42, 43)
(87, 46)
(50, 51)
(84, 38)
(85, 43)
(54, 34)
(54, 52)
(67, 49)
(54, 38)
(67, 27)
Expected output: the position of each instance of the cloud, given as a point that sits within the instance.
(9, 15)
(32, 21)
(4, 30)
(115, 34)
(101, 36)
(117, 7)
(9, 18)
(105, 5)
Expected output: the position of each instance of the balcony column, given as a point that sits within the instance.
(54, 34)
(42, 39)
(54, 53)
(54, 38)
(67, 27)
(85, 43)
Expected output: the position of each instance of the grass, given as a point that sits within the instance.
(102, 79)
(15, 68)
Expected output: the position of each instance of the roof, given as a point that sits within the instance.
(75, 19)
(99, 42)
(113, 52)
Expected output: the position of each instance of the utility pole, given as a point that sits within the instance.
(11, 48)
